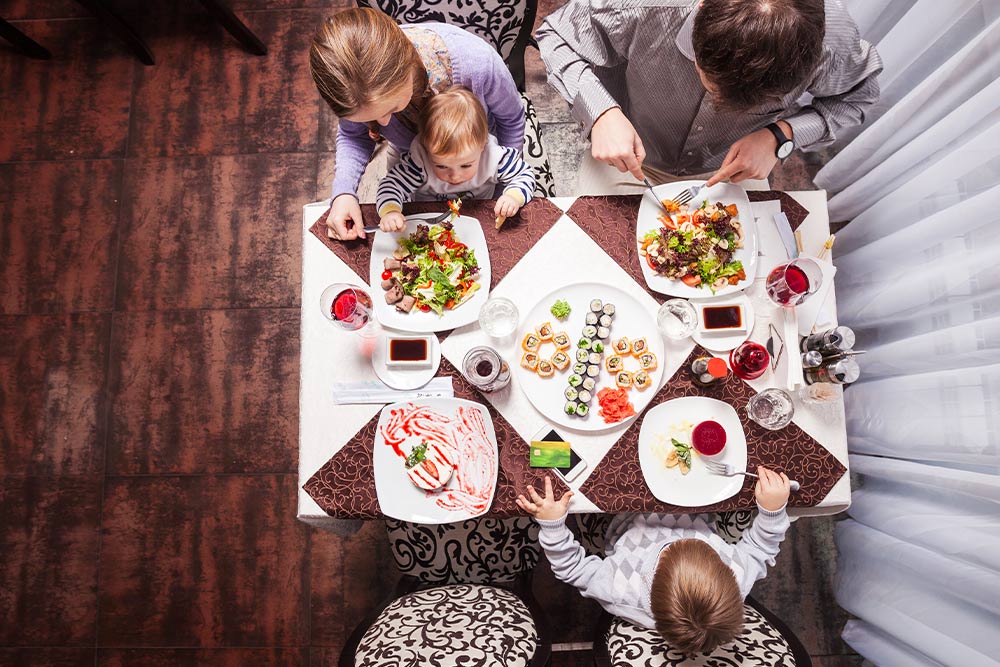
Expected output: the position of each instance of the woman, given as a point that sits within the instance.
(377, 75)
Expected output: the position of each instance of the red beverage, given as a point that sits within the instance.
(790, 284)
(749, 360)
(708, 438)
(351, 309)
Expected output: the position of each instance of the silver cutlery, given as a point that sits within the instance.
(682, 197)
(729, 470)
(374, 228)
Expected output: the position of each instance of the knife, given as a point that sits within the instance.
(785, 232)
(434, 221)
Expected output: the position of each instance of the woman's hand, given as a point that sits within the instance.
(614, 141)
(506, 207)
(392, 222)
(547, 508)
(772, 489)
(345, 209)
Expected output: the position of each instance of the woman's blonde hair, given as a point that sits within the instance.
(453, 122)
(360, 55)
(696, 601)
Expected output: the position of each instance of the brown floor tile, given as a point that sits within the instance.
(18, 10)
(546, 7)
(58, 249)
(572, 616)
(73, 106)
(207, 96)
(47, 657)
(203, 561)
(48, 574)
(225, 657)
(52, 394)
(204, 391)
(549, 104)
(792, 174)
(213, 232)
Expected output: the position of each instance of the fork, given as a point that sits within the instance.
(729, 470)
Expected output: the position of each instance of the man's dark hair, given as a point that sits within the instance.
(758, 50)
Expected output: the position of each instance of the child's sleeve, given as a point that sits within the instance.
(515, 175)
(760, 544)
(398, 185)
(593, 575)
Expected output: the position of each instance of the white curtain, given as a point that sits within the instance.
(919, 281)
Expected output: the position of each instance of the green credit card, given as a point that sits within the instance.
(546, 454)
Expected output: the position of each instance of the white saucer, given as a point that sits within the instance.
(408, 378)
(719, 342)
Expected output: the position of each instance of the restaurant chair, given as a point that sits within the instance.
(464, 599)
(506, 25)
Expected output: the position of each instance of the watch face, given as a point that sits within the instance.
(785, 149)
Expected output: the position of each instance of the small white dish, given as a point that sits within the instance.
(723, 342)
(728, 303)
(399, 342)
(405, 378)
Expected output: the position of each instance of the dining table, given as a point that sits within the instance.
(550, 243)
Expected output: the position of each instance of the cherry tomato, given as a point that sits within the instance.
(649, 260)
(691, 280)
(425, 308)
(450, 304)
(386, 275)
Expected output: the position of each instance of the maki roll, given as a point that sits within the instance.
(623, 346)
(597, 346)
(545, 331)
(589, 331)
(593, 370)
(605, 320)
(614, 363)
(561, 340)
(603, 333)
(531, 342)
(582, 356)
(583, 343)
(571, 394)
(560, 360)
(609, 309)
(575, 381)
(582, 410)
(595, 358)
(647, 361)
(580, 368)
(596, 305)
(530, 361)
(590, 383)
(639, 347)
(584, 396)
(624, 379)
(545, 368)
(640, 379)
(591, 318)
(570, 407)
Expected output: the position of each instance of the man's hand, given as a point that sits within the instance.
(547, 508)
(614, 141)
(753, 156)
(772, 489)
(506, 206)
(345, 209)
(392, 222)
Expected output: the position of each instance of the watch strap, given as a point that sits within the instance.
(779, 136)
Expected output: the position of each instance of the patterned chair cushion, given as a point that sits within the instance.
(760, 645)
(534, 152)
(730, 525)
(484, 550)
(451, 626)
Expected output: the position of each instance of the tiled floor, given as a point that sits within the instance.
(149, 373)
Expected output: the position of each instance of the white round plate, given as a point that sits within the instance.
(631, 320)
(469, 232)
(720, 342)
(699, 487)
(474, 482)
(727, 193)
(405, 378)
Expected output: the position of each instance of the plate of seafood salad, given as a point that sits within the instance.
(435, 460)
(598, 366)
(704, 248)
(433, 277)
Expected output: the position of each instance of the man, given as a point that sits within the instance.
(681, 88)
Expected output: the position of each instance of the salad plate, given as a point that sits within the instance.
(443, 292)
(462, 431)
(726, 193)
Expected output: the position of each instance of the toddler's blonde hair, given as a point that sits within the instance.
(453, 122)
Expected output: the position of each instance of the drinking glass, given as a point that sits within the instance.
(349, 307)
(677, 318)
(749, 360)
(485, 369)
(498, 317)
(792, 283)
(771, 408)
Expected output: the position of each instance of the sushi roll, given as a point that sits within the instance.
(640, 379)
(571, 394)
(570, 407)
(624, 379)
(590, 384)
(609, 309)
(582, 356)
(591, 318)
(582, 410)
(597, 346)
(623, 346)
(596, 306)
(560, 360)
(614, 363)
(603, 333)
(529, 360)
(605, 320)
(561, 340)
(531, 342)
(575, 381)
(593, 370)
(583, 343)
(584, 396)
(595, 358)
(589, 331)
(545, 331)
(639, 347)
(580, 368)
(647, 361)
(545, 368)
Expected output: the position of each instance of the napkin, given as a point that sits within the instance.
(373, 391)
(817, 311)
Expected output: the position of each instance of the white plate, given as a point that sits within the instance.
(720, 342)
(699, 487)
(631, 319)
(405, 378)
(477, 470)
(470, 233)
(727, 193)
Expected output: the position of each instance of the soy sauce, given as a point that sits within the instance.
(721, 317)
(402, 349)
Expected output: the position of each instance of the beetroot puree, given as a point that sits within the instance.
(708, 438)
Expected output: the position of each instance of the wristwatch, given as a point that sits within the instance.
(785, 145)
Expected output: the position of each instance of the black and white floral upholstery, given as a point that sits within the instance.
(762, 644)
(730, 525)
(451, 626)
(484, 550)
(534, 152)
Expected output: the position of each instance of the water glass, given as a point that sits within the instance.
(772, 408)
(498, 317)
(677, 319)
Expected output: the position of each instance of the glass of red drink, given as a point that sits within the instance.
(347, 306)
(792, 283)
(749, 360)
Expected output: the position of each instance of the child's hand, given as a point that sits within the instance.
(772, 489)
(547, 508)
(392, 222)
(506, 206)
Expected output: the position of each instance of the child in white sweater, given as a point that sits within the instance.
(668, 573)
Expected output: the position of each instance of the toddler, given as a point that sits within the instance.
(668, 573)
(454, 156)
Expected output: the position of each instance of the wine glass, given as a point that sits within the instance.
(792, 283)
(749, 360)
(349, 307)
